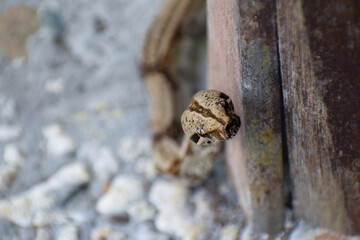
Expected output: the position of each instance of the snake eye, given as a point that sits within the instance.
(195, 138)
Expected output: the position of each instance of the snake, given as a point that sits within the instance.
(184, 144)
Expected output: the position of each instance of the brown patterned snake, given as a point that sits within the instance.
(173, 152)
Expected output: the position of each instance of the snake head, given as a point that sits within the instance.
(210, 118)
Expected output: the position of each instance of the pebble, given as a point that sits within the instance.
(54, 86)
(230, 232)
(20, 208)
(42, 234)
(12, 155)
(247, 234)
(7, 108)
(9, 132)
(48, 217)
(168, 194)
(130, 149)
(7, 175)
(68, 232)
(141, 211)
(304, 231)
(147, 232)
(203, 209)
(147, 167)
(124, 191)
(57, 143)
(170, 197)
(108, 233)
(103, 163)
(12, 161)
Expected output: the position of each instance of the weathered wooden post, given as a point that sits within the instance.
(243, 62)
(316, 46)
(320, 66)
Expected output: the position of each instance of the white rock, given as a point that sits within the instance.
(21, 208)
(108, 233)
(169, 197)
(180, 225)
(8, 132)
(303, 231)
(147, 232)
(7, 108)
(124, 191)
(56, 217)
(57, 143)
(203, 209)
(12, 155)
(147, 167)
(42, 234)
(141, 211)
(68, 232)
(103, 163)
(45, 218)
(54, 86)
(12, 160)
(247, 234)
(7, 175)
(230, 232)
(130, 149)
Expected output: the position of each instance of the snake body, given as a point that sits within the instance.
(174, 153)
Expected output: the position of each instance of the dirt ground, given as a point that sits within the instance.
(74, 131)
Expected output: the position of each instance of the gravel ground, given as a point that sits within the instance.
(76, 158)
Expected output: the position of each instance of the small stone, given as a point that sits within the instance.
(8, 132)
(303, 231)
(141, 211)
(230, 232)
(56, 217)
(12, 155)
(130, 149)
(45, 218)
(168, 194)
(147, 232)
(13, 159)
(7, 175)
(46, 195)
(203, 209)
(124, 191)
(57, 143)
(174, 217)
(103, 163)
(54, 86)
(68, 232)
(147, 167)
(42, 234)
(180, 225)
(81, 116)
(108, 233)
(7, 108)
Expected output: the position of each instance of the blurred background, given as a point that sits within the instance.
(75, 143)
